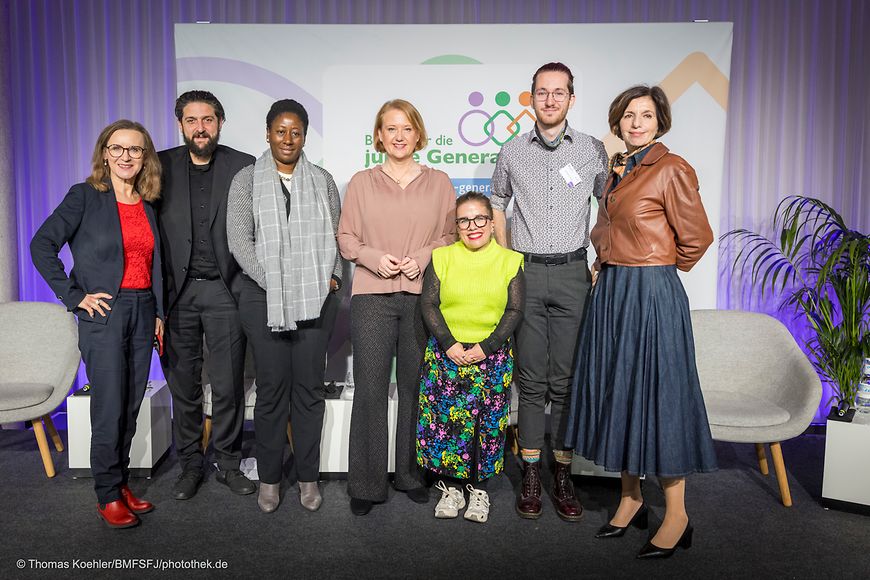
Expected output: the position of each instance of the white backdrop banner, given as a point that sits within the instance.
(471, 84)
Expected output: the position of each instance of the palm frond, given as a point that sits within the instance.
(826, 266)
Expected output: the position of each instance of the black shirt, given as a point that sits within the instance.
(202, 260)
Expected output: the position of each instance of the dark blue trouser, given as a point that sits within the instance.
(117, 359)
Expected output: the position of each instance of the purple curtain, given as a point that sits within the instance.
(798, 120)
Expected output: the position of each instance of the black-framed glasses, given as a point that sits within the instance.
(558, 95)
(478, 220)
(116, 151)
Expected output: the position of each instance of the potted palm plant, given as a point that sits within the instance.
(821, 269)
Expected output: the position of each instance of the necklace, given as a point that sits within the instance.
(285, 177)
(404, 174)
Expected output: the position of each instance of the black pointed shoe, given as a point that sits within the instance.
(360, 507)
(650, 550)
(640, 520)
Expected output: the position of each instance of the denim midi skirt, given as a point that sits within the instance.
(636, 403)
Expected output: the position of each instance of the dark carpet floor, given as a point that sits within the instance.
(741, 529)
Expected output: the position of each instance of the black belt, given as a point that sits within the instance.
(202, 277)
(555, 259)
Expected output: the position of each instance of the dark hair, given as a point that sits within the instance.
(287, 106)
(472, 196)
(414, 117)
(554, 67)
(198, 97)
(147, 181)
(621, 102)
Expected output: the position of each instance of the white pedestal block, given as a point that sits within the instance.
(582, 466)
(336, 434)
(150, 444)
(847, 461)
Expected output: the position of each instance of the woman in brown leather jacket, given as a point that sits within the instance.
(637, 406)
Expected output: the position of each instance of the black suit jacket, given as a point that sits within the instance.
(87, 220)
(175, 222)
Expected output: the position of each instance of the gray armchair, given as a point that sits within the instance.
(39, 359)
(758, 385)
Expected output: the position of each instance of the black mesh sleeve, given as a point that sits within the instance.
(513, 313)
(430, 304)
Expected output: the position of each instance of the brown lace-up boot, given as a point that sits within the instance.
(567, 505)
(529, 500)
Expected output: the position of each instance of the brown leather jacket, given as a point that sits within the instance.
(654, 216)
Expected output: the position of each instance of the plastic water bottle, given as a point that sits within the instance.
(862, 398)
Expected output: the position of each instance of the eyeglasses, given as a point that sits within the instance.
(116, 151)
(478, 220)
(558, 95)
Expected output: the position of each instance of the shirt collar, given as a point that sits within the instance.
(570, 135)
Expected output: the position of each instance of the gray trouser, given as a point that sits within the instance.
(546, 348)
(383, 325)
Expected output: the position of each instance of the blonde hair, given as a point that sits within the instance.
(147, 180)
(413, 116)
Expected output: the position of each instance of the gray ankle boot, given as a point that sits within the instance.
(269, 497)
(309, 495)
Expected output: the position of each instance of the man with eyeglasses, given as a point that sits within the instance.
(550, 173)
(201, 280)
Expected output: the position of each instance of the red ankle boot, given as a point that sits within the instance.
(136, 505)
(117, 514)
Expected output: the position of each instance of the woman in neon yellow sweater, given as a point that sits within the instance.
(472, 301)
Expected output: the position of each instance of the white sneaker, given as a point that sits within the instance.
(478, 505)
(450, 503)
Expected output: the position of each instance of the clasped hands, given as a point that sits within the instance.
(391, 266)
(465, 356)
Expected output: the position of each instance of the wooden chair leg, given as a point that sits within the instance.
(762, 458)
(206, 432)
(44, 452)
(515, 437)
(781, 477)
(52, 432)
(290, 435)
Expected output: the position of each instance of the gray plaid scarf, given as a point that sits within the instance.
(298, 254)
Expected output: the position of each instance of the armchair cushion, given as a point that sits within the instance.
(730, 409)
(23, 395)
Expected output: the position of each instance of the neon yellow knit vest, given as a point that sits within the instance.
(474, 287)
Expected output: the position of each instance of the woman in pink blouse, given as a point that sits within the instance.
(393, 216)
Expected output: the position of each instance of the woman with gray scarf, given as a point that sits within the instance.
(282, 217)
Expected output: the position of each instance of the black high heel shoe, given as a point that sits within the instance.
(640, 520)
(650, 550)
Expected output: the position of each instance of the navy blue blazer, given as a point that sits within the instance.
(87, 220)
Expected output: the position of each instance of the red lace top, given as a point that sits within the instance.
(138, 246)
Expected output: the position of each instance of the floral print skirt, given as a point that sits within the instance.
(464, 413)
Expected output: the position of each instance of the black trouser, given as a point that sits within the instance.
(289, 367)
(383, 325)
(205, 306)
(546, 348)
(117, 359)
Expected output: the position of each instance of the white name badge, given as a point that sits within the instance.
(570, 175)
